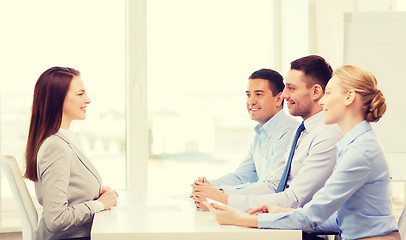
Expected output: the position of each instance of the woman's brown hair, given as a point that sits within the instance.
(46, 116)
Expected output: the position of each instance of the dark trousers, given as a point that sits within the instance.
(80, 238)
(312, 236)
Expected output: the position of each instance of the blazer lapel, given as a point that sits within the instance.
(82, 157)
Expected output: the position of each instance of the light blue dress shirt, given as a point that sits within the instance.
(312, 164)
(265, 154)
(355, 198)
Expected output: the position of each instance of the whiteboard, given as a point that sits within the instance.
(377, 42)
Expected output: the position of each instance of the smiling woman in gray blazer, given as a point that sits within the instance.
(67, 184)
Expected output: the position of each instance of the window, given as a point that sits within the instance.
(86, 35)
(200, 55)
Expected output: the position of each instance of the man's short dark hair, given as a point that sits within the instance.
(315, 68)
(275, 80)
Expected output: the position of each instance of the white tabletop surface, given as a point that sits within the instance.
(154, 216)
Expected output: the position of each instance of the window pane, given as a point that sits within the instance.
(86, 35)
(200, 54)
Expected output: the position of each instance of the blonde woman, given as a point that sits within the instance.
(355, 200)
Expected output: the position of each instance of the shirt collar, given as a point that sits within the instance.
(313, 121)
(272, 124)
(72, 137)
(65, 133)
(354, 133)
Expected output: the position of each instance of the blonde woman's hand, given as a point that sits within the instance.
(226, 215)
(268, 208)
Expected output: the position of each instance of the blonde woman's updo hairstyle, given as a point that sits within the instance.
(364, 83)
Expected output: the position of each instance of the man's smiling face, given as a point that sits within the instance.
(261, 104)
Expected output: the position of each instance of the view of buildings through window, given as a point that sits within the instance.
(52, 33)
(199, 62)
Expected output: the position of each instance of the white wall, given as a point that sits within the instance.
(329, 24)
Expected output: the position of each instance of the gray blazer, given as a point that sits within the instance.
(67, 187)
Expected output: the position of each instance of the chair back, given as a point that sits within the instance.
(26, 208)
(402, 224)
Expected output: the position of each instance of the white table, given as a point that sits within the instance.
(151, 216)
